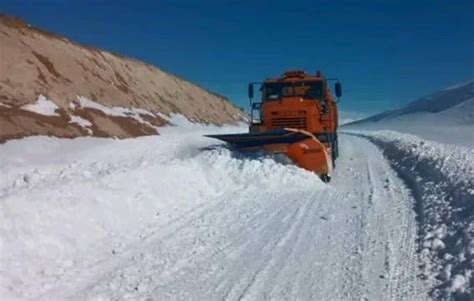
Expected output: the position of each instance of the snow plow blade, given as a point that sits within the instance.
(302, 147)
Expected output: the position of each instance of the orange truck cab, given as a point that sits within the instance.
(297, 115)
(300, 101)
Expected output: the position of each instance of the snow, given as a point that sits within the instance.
(458, 284)
(437, 163)
(441, 179)
(42, 106)
(84, 123)
(180, 216)
(461, 85)
(454, 126)
(134, 113)
(112, 111)
(350, 116)
(437, 244)
(446, 116)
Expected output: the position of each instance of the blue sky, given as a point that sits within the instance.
(384, 52)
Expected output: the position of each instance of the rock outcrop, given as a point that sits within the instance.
(91, 91)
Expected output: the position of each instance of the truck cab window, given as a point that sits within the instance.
(304, 89)
(310, 90)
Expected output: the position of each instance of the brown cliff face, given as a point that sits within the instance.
(34, 63)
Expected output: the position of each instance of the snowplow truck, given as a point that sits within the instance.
(297, 116)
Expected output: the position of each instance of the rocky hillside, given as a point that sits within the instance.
(52, 86)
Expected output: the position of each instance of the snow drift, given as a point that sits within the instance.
(64, 200)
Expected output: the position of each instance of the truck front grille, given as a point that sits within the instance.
(289, 122)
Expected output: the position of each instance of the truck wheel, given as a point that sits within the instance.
(325, 178)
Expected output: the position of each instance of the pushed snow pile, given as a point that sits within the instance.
(441, 178)
(65, 201)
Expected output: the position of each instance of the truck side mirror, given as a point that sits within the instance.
(338, 89)
(250, 91)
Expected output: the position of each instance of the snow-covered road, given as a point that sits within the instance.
(352, 240)
(138, 219)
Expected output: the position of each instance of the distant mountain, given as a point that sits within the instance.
(346, 117)
(434, 103)
(52, 86)
(446, 116)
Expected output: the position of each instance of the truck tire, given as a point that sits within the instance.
(325, 178)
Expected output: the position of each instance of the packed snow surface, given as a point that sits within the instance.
(181, 216)
(42, 106)
(441, 178)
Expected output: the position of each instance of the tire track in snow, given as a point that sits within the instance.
(387, 232)
(279, 255)
(178, 266)
(402, 272)
(398, 234)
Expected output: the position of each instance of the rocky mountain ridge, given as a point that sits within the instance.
(93, 92)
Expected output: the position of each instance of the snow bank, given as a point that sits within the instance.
(441, 178)
(42, 106)
(68, 205)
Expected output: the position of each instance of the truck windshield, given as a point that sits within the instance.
(305, 89)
